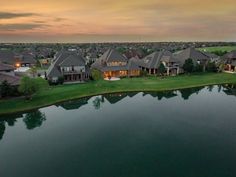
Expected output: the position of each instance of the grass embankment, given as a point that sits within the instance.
(61, 93)
(218, 48)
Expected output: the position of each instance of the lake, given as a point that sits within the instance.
(183, 133)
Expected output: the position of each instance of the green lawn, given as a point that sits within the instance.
(219, 48)
(61, 93)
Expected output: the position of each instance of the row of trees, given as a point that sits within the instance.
(190, 67)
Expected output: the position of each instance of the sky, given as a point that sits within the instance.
(117, 21)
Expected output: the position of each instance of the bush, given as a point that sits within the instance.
(29, 86)
(5, 89)
(143, 73)
(188, 65)
(60, 80)
(211, 67)
(96, 74)
(198, 68)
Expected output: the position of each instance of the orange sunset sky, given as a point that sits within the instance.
(117, 21)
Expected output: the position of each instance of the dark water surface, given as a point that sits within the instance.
(186, 133)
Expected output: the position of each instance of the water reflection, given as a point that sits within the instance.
(34, 119)
(97, 102)
(229, 89)
(2, 129)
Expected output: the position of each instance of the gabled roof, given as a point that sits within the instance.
(5, 67)
(230, 55)
(64, 58)
(112, 55)
(7, 56)
(73, 60)
(192, 53)
(12, 80)
(153, 60)
(150, 61)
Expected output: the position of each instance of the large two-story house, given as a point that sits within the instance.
(113, 64)
(197, 56)
(151, 63)
(229, 60)
(70, 66)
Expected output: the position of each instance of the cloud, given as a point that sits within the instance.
(24, 26)
(9, 15)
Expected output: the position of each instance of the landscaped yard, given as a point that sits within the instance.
(61, 93)
(219, 48)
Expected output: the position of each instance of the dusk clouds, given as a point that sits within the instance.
(158, 20)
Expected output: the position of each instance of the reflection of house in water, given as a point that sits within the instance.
(116, 97)
(229, 89)
(75, 104)
(186, 93)
(161, 94)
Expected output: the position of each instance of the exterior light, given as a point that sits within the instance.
(17, 65)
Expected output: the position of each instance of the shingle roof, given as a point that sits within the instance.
(153, 60)
(12, 80)
(73, 60)
(5, 67)
(230, 55)
(64, 58)
(112, 55)
(192, 53)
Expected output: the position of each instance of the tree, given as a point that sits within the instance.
(28, 87)
(161, 69)
(96, 75)
(143, 73)
(188, 65)
(211, 67)
(33, 71)
(5, 89)
(198, 68)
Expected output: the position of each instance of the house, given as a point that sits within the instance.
(70, 66)
(229, 61)
(7, 74)
(198, 57)
(113, 64)
(17, 60)
(152, 62)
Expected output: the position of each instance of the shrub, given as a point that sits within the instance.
(188, 65)
(96, 74)
(143, 73)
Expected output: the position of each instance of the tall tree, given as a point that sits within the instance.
(162, 69)
(28, 86)
(188, 65)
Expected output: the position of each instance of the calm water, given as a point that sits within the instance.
(186, 133)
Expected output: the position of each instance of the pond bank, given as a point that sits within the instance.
(58, 94)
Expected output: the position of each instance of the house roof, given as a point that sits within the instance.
(73, 60)
(153, 60)
(112, 55)
(192, 53)
(64, 58)
(230, 55)
(7, 56)
(12, 80)
(5, 67)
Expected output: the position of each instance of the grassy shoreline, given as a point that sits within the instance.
(58, 94)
